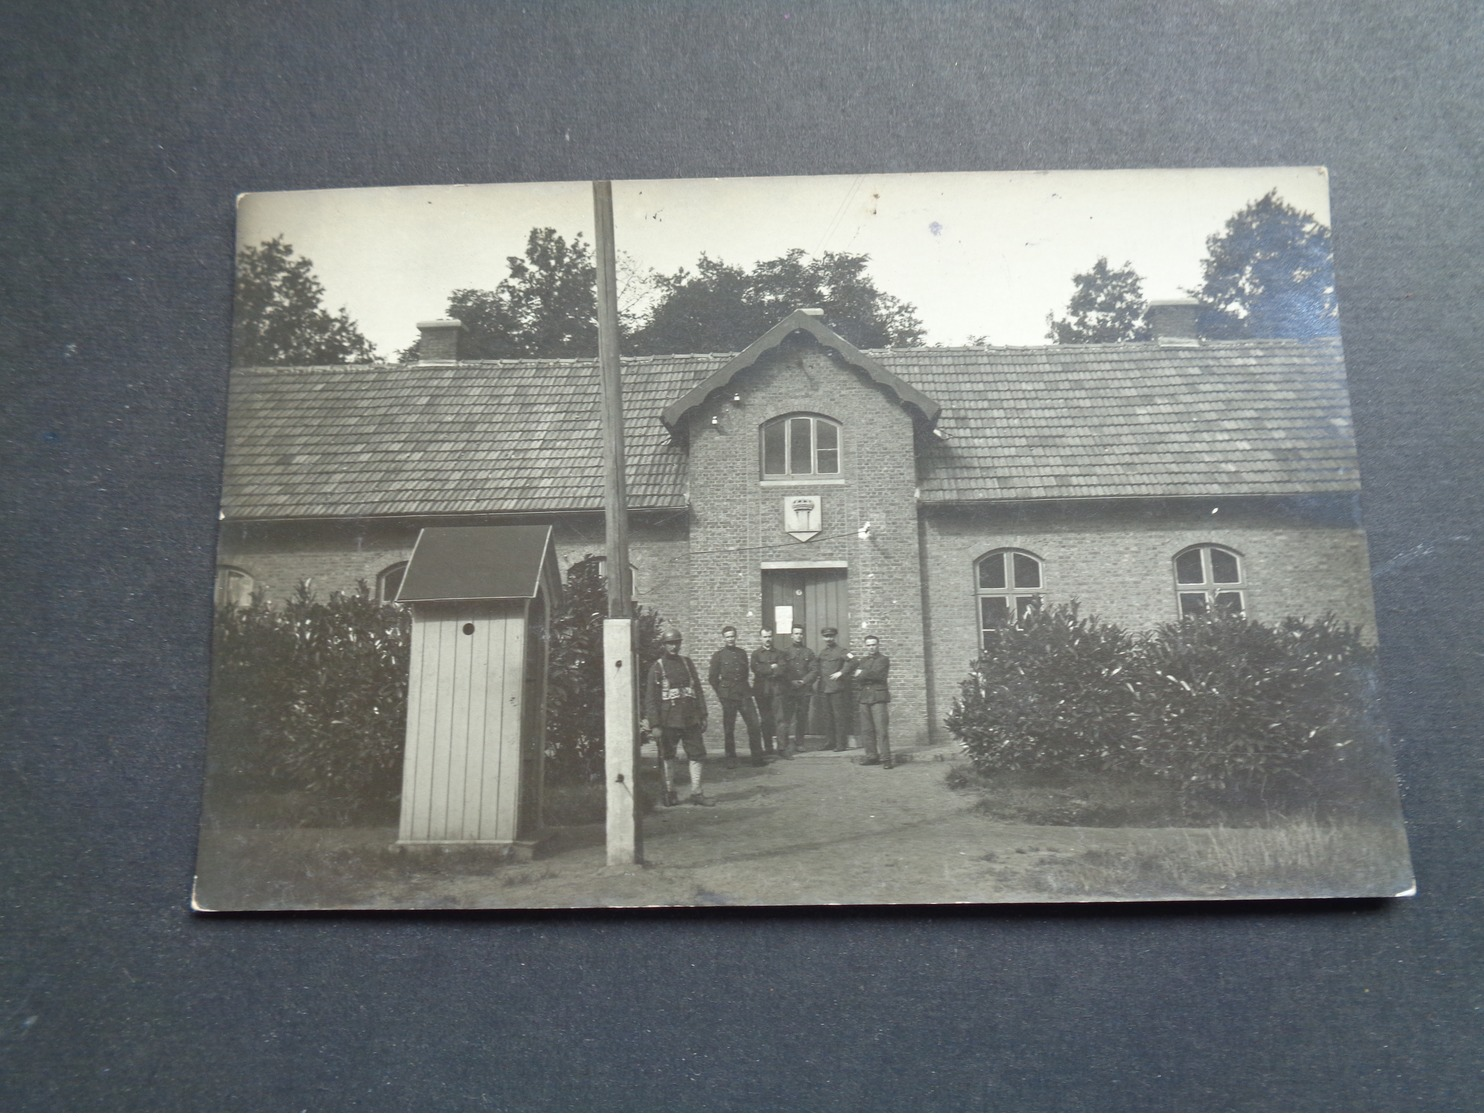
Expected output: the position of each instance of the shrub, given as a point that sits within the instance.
(1215, 705)
(1231, 703)
(1047, 692)
(314, 697)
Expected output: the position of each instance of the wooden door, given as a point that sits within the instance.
(815, 599)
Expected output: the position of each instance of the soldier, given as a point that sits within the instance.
(835, 666)
(729, 679)
(802, 672)
(874, 701)
(675, 707)
(770, 684)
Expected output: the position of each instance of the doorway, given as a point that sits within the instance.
(814, 598)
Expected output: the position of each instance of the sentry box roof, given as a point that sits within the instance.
(478, 564)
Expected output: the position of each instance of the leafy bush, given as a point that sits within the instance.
(1048, 692)
(1229, 702)
(314, 697)
(1213, 705)
(574, 694)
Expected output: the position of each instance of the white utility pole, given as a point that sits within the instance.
(620, 671)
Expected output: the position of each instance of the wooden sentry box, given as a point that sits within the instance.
(481, 600)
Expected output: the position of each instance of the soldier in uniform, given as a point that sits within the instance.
(802, 672)
(675, 708)
(874, 701)
(835, 667)
(728, 676)
(770, 684)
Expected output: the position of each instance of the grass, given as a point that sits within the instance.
(1088, 799)
(1295, 859)
(283, 849)
(1154, 841)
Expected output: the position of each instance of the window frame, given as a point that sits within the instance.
(1015, 597)
(785, 423)
(1210, 589)
(400, 569)
(221, 597)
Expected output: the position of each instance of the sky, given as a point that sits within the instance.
(978, 254)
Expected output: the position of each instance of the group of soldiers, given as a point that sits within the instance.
(772, 691)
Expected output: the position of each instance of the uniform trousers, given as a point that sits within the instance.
(836, 710)
(796, 717)
(875, 729)
(773, 710)
(730, 708)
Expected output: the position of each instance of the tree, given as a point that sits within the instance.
(280, 316)
(1269, 273)
(720, 307)
(1107, 305)
(574, 688)
(545, 307)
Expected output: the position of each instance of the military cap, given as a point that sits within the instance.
(829, 632)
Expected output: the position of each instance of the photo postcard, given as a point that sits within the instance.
(869, 539)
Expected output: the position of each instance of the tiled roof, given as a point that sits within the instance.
(479, 436)
(1221, 418)
(1134, 420)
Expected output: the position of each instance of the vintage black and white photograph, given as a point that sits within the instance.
(871, 539)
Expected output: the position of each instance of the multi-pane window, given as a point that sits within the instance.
(389, 582)
(1208, 580)
(233, 587)
(801, 446)
(1009, 584)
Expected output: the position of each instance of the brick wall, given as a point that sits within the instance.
(336, 554)
(1116, 561)
(737, 520)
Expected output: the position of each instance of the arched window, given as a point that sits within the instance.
(1008, 584)
(233, 587)
(389, 582)
(1208, 579)
(801, 446)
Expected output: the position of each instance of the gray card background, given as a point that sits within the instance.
(127, 130)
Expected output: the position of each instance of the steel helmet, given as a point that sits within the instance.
(671, 636)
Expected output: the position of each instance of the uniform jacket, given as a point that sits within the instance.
(770, 671)
(673, 697)
(803, 667)
(832, 660)
(729, 673)
(870, 679)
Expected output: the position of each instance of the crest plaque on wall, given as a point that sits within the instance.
(802, 517)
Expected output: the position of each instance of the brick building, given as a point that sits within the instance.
(921, 494)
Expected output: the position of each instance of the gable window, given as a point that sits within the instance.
(233, 588)
(1208, 579)
(801, 446)
(1008, 585)
(389, 582)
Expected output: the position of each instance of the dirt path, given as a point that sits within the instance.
(818, 829)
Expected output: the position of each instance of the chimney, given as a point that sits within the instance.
(439, 343)
(1172, 321)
